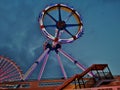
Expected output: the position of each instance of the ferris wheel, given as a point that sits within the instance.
(9, 71)
(61, 25)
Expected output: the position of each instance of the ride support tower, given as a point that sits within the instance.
(61, 25)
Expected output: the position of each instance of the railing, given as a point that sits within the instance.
(98, 74)
(103, 88)
(31, 84)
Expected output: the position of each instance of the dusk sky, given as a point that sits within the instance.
(22, 41)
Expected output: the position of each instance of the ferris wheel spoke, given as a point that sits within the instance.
(9, 71)
(9, 75)
(5, 73)
(72, 25)
(49, 26)
(59, 12)
(7, 68)
(51, 17)
(68, 17)
(3, 62)
(69, 32)
(57, 33)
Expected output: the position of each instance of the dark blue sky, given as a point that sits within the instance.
(21, 39)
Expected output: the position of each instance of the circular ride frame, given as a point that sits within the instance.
(9, 71)
(60, 24)
(57, 40)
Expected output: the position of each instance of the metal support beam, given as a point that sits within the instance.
(79, 83)
(32, 68)
(110, 73)
(61, 66)
(83, 82)
(104, 74)
(43, 67)
(98, 75)
(75, 84)
(74, 61)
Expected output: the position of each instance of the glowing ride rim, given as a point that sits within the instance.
(9, 71)
(60, 24)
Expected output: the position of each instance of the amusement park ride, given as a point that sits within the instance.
(61, 25)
